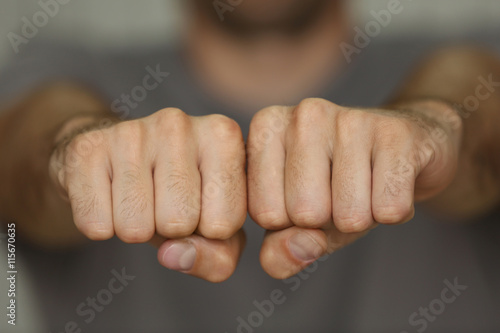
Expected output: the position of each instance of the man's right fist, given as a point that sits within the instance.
(180, 177)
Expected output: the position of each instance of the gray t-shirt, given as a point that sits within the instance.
(427, 275)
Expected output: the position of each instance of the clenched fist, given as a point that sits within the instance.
(321, 175)
(179, 177)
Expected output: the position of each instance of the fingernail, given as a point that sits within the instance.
(304, 247)
(179, 257)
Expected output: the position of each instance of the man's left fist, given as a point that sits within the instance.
(321, 175)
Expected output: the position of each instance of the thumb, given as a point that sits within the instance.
(209, 259)
(286, 252)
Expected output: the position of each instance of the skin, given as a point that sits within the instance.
(311, 183)
(328, 187)
(312, 177)
(168, 174)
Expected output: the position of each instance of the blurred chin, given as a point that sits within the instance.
(261, 15)
(269, 11)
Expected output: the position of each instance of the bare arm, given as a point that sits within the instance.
(28, 130)
(469, 80)
(328, 174)
(142, 180)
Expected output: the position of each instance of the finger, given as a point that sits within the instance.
(308, 168)
(393, 184)
(208, 259)
(132, 184)
(286, 252)
(88, 186)
(351, 177)
(176, 177)
(266, 169)
(222, 167)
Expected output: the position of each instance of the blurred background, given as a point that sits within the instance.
(125, 24)
(131, 23)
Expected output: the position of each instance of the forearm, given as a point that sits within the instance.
(468, 82)
(29, 130)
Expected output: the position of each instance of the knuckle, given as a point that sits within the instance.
(224, 128)
(172, 115)
(309, 117)
(267, 125)
(309, 104)
(307, 217)
(173, 121)
(98, 234)
(174, 227)
(392, 214)
(264, 116)
(135, 234)
(220, 231)
(352, 223)
(271, 118)
(312, 110)
(271, 220)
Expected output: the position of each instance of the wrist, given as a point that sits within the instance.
(78, 124)
(439, 111)
(81, 123)
(441, 115)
